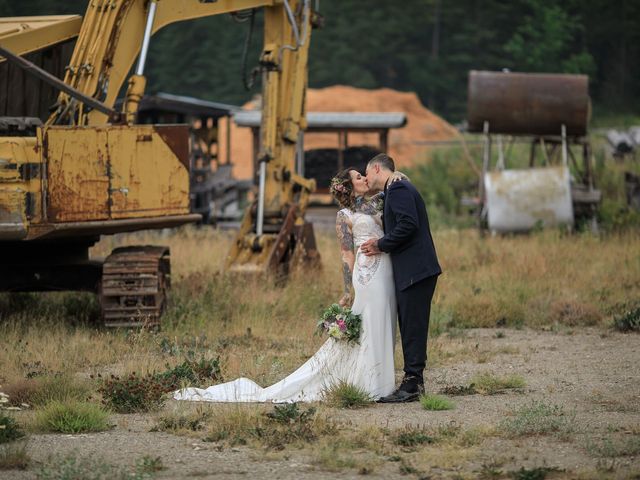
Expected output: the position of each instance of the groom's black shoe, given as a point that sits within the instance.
(409, 391)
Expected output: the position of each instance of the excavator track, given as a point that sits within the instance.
(134, 285)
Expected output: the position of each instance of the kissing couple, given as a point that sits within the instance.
(389, 262)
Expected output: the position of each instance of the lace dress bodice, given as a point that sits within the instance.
(364, 226)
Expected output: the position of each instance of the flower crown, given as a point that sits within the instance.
(338, 185)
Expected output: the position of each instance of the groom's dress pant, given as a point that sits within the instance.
(414, 308)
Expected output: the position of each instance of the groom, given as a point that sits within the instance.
(415, 269)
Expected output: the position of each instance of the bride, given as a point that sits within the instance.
(367, 364)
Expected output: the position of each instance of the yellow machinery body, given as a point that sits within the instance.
(68, 176)
(90, 170)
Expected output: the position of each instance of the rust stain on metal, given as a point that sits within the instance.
(78, 180)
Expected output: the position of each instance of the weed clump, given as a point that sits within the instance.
(88, 468)
(41, 390)
(413, 436)
(459, 390)
(536, 473)
(611, 448)
(489, 384)
(285, 424)
(436, 402)
(14, 456)
(72, 417)
(149, 465)
(144, 393)
(346, 395)
(182, 421)
(538, 418)
(486, 384)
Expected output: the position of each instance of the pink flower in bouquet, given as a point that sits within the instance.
(342, 325)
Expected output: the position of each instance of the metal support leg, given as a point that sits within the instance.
(564, 145)
(262, 178)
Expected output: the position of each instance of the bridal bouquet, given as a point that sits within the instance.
(340, 323)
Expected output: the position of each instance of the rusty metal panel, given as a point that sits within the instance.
(20, 186)
(147, 176)
(78, 174)
(518, 200)
(528, 103)
(13, 219)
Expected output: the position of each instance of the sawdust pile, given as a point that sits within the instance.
(422, 124)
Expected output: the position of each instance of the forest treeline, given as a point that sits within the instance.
(426, 46)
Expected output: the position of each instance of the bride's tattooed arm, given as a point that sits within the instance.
(345, 239)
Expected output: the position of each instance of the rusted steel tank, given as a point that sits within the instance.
(528, 103)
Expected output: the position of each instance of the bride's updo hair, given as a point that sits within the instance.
(342, 188)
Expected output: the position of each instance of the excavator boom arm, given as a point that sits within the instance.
(111, 38)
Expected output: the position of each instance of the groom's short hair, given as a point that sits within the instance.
(384, 160)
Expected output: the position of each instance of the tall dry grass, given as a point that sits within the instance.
(264, 331)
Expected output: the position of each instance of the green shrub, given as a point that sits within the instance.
(288, 413)
(346, 395)
(193, 373)
(9, 429)
(629, 321)
(436, 402)
(443, 181)
(135, 393)
(72, 417)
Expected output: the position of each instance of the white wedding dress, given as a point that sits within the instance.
(367, 364)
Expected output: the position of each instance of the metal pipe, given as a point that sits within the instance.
(564, 145)
(292, 21)
(147, 37)
(500, 154)
(46, 77)
(263, 175)
(300, 153)
(300, 41)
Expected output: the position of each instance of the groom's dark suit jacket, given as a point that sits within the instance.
(407, 236)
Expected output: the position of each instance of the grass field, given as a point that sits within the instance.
(548, 280)
(548, 283)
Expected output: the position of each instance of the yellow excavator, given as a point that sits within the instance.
(90, 170)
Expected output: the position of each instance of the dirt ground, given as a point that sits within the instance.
(592, 375)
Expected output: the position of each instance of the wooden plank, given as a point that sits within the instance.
(32, 89)
(15, 92)
(4, 76)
